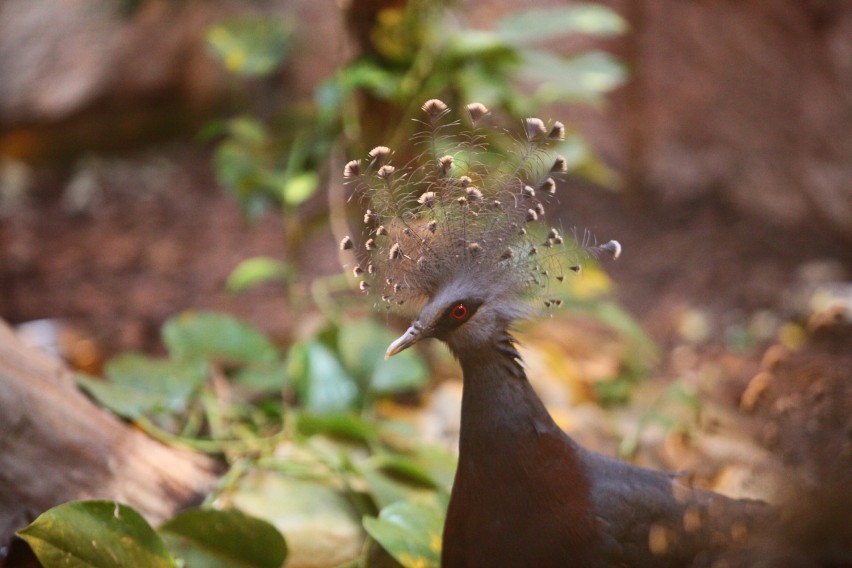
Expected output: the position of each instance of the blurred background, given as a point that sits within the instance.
(163, 156)
(725, 135)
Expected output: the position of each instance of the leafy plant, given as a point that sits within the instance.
(105, 534)
(220, 389)
(410, 531)
(337, 372)
(250, 46)
(421, 50)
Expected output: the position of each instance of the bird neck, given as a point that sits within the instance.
(520, 480)
(500, 409)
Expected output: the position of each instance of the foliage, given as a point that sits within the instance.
(106, 534)
(248, 163)
(255, 271)
(210, 537)
(250, 46)
(410, 531)
(220, 390)
(421, 51)
(339, 371)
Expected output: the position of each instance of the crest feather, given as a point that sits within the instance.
(475, 215)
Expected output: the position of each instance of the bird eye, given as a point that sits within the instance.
(459, 312)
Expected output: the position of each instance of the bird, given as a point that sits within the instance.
(458, 236)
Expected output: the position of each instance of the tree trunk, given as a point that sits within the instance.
(56, 446)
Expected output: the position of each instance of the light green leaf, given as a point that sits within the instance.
(247, 130)
(582, 77)
(439, 463)
(410, 532)
(318, 522)
(322, 383)
(341, 425)
(95, 534)
(138, 384)
(262, 377)
(257, 270)
(481, 46)
(194, 336)
(250, 46)
(402, 372)
(124, 401)
(362, 345)
(298, 188)
(232, 164)
(211, 538)
(403, 467)
(385, 488)
(547, 23)
(364, 74)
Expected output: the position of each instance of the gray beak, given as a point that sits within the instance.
(411, 336)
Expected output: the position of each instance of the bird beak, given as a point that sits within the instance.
(411, 336)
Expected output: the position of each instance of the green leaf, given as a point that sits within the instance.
(481, 85)
(239, 171)
(614, 392)
(322, 383)
(410, 532)
(194, 336)
(242, 161)
(584, 77)
(362, 345)
(212, 130)
(402, 372)
(141, 385)
(341, 425)
(373, 78)
(299, 188)
(547, 23)
(406, 468)
(329, 97)
(248, 130)
(439, 463)
(262, 377)
(212, 538)
(250, 46)
(318, 522)
(480, 46)
(254, 271)
(123, 401)
(232, 164)
(386, 488)
(89, 534)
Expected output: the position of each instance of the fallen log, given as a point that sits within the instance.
(56, 445)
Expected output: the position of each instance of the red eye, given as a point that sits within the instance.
(459, 312)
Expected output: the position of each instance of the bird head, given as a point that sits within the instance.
(465, 314)
(459, 234)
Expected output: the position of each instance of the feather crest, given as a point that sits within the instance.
(462, 210)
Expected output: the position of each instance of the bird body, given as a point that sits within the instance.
(463, 247)
(526, 494)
